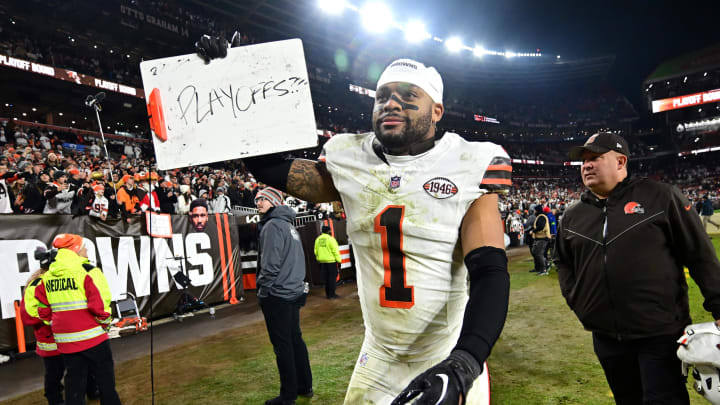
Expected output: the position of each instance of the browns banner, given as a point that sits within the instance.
(132, 260)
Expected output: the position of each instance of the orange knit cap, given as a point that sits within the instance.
(68, 241)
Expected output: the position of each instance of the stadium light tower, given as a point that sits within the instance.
(454, 44)
(376, 17)
(332, 6)
(415, 32)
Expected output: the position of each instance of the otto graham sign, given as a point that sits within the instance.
(131, 260)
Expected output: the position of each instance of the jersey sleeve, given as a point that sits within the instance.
(29, 305)
(44, 310)
(497, 176)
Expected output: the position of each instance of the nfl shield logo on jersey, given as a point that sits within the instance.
(394, 182)
(363, 359)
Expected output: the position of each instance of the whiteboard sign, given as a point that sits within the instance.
(253, 102)
(158, 225)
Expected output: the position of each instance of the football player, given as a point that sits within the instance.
(422, 213)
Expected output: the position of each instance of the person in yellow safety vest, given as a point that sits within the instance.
(541, 237)
(70, 299)
(327, 254)
(45, 346)
(93, 271)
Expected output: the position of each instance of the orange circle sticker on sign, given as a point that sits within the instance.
(156, 115)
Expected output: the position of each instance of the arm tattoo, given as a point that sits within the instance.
(310, 181)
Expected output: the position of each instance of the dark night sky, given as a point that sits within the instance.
(641, 34)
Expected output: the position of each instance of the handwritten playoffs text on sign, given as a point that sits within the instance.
(238, 99)
(253, 102)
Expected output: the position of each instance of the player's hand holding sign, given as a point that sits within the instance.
(229, 109)
(215, 47)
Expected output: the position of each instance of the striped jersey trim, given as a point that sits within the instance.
(48, 347)
(497, 181)
(68, 306)
(79, 336)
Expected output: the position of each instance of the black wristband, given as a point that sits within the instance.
(487, 306)
(472, 366)
(270, 169)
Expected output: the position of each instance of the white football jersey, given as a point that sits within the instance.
(5, 205)
(404, 218)
(99, 207)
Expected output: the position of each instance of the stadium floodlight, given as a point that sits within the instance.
(479, 51)
(510, 54)
(415, 32)
(557, 57)
(376, 17)
(454, 44)
(332, 6)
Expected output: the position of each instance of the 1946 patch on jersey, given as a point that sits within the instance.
(440, 187)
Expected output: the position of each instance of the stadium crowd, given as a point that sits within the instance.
(64, 172)
(40, 175)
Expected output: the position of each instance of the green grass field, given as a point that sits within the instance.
(543, 356)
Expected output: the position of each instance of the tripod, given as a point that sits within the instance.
(94, 103)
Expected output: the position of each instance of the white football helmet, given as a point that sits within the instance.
(700, 349)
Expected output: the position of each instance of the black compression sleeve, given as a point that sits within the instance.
(487, 307)
(270, 169)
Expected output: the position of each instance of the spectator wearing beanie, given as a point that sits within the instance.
(59, 195)
(168, 198)
(127, 196)
(100, 205)
(221, 203)
(33, 200)
(184, 199)
(280, 290)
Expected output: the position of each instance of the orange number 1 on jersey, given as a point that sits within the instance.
(393, 293)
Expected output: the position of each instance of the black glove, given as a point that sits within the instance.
(215, 47)
(444, 383)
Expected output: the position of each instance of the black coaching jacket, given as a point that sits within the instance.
(628, 282)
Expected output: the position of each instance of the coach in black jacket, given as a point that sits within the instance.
(620, 255)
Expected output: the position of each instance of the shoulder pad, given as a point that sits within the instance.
(88, 266)
(36, 282)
